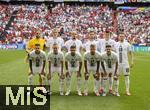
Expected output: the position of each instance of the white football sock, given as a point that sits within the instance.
(30, 80)
(61, 85)
(127, 82)
(110, 82)
(116, 85)
(68, 83)
(79, 83)
(96, 85)
(101, 83)
(104, 83)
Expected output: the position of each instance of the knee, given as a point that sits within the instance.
(110, 75)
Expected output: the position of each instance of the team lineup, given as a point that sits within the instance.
(104, 58)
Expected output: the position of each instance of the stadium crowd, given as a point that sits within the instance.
(136, 25)
(73, 17)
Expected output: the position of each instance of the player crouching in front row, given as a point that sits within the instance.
(55, 62)
(91, 64)
(73, 63)
(37, 61)
(110, 66)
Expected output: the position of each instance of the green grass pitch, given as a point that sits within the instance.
(13, 70)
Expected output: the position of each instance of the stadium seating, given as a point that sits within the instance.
(72, 17)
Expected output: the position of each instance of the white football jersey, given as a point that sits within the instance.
(71, 42)
(92, 59)
(101, 44)
(73, 60)
(87, 44)
(55, 59)
(37, 59)
(59, 41)
(122, 49)
(109, 60)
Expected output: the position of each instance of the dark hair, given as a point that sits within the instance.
(108, 45)
(37, 44)
(73, 46)
(92, 45)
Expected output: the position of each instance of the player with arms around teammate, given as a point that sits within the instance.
(73, 63)
(91, 64)
(110, 66)
(55, 62)
(37, 62)
(124, 52)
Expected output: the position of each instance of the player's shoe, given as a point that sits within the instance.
(79, 93)
(97, 93)
(128, 93)
(101, 91)
(117, 94)
(110, 92)
(104, 94)
(85, 94)
(61, 93)
(67, 93)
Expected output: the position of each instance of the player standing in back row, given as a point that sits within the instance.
(124, 52)
(74, 41)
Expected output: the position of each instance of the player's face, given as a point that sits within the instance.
(92, 49)
(107, 35)
(121, 37)
(73, 50)
(74, 36)
(37, 49)
(55, 49)
(108, 50)
(91, 35)
(38, 35)
(55, 34)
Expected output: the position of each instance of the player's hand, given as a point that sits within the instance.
(62, 76)
(67, 74)
(86, 74)
(105, 74)
(115, 77)
(43, 73)
(78, 74)
(49, 76)
(30, 73)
